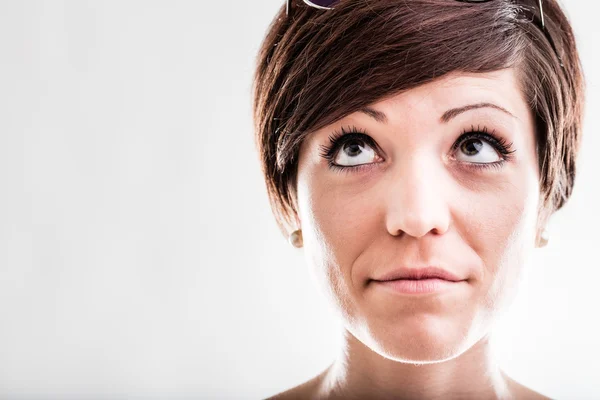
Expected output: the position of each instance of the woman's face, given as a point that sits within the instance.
(416, 192)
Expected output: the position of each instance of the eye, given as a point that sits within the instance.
(354, 152)
(477, 146)
(350, 148)
(478, 151)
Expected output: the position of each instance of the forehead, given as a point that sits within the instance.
(458, 89)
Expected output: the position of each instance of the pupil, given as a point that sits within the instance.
(473, 146)
(352, 149)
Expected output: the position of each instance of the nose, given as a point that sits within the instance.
(418, 199)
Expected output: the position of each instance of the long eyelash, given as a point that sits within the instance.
(337, 140)
(499, 143)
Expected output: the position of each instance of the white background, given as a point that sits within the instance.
(138, 254)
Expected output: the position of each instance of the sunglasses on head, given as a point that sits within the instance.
(538, 21)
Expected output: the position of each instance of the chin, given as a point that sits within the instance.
(423, 340)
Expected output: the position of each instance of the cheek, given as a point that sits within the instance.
(336, 225)
(342, 216)
(503, 235)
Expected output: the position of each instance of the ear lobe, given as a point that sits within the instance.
(542, 233)
(296, 239)
(542, 238)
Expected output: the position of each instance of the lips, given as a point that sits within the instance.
(431, 272)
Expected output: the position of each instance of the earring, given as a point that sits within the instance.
(544, 237)
(295, 238)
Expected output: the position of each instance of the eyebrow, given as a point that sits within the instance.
(448, 115)
(380, 116)
(375, 114)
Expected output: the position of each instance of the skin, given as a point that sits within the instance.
(417, 203)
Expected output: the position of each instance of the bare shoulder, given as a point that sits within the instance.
(522, 392)
(529, 394)
(306, 390)
(311, 390)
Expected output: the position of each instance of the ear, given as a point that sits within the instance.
(542, 238)
(541, 235)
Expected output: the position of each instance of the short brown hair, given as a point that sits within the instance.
(319, 66)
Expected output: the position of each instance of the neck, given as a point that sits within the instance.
(359, 372)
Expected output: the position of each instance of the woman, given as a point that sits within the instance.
(416, 150)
